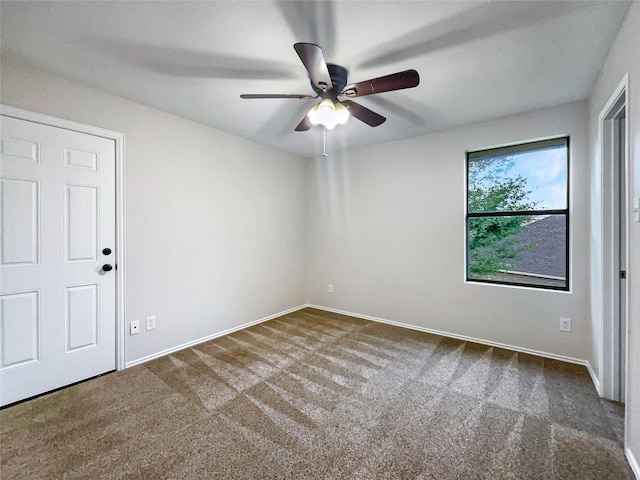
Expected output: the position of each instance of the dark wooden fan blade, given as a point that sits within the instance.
(363, 114)
(388, 83)
(313, 60)
(304, 125)
(268, 95)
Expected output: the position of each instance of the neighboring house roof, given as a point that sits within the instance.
(549, 255)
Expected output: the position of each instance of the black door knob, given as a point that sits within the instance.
(106, 251)
(106, 267)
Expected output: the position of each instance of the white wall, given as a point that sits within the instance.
(386, 228)
(623, 58)
(215, 225)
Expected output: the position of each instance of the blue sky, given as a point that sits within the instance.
(546, 174)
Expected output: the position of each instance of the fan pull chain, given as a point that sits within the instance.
(324, 142)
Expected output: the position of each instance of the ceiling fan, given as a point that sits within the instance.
(329, 81)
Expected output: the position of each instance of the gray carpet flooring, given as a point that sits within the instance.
(316, 395)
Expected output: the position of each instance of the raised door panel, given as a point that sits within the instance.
(19, 150)
(19, 329)
(19, 222)
(81, 159)
(81, 223)
(81, 317)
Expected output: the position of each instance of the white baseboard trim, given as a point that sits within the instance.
(490, 343)
(211, 337)
(594, 378)
(633, 463)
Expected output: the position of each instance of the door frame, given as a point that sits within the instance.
(607, 281)
(118, 138)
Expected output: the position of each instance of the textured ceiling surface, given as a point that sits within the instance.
(477, 59)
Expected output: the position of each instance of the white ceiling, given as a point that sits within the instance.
(477, 59)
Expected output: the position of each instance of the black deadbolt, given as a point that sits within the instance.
(106, 251)
(106, 267)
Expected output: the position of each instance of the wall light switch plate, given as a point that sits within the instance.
(151, 322)
(636, 209)
(330, 288)
(134, 327)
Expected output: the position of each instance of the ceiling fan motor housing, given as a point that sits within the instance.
(338, 76)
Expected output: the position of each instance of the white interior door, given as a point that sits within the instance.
(620, 158)
(58, 304)
(614, 245)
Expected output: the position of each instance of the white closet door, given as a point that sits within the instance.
(57, 292)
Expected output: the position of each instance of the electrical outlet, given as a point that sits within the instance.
(330, 288)
(565, 324)
(151, 322)
(134, 327)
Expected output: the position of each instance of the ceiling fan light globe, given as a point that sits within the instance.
(333, 123)
(326, 105)
(326, 110)
(328, 114)
(325, 118)
(313, 115)
(341, 113)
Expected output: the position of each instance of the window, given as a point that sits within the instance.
(518, 215)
